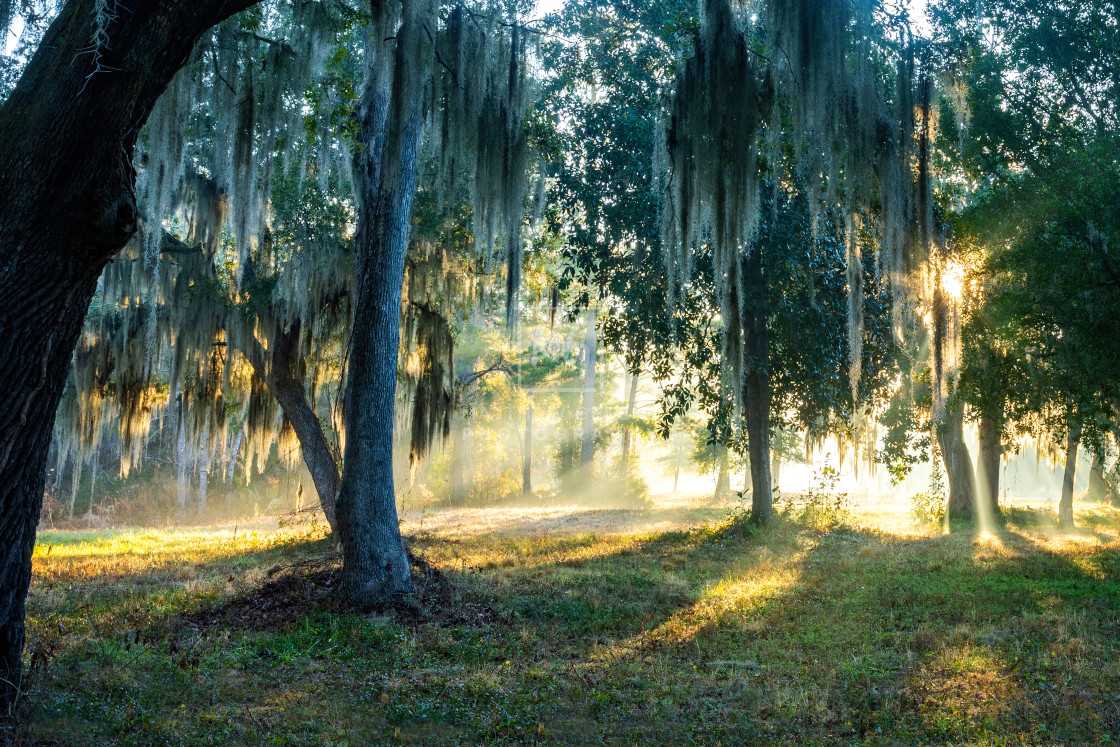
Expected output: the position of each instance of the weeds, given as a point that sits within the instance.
(823, 506)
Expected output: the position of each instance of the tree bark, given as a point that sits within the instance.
(234, 448)
(627, 430)
(277, 373)
(66, 207)
(756, 386)
(991, 449)
(182, 461)
(958, 466)
(375, 564)
(776, 469)
(204, 467)
(587, 448)
(1065, 506)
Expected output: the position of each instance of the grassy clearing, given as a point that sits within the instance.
(711, 635)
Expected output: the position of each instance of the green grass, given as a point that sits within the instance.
(711, 636)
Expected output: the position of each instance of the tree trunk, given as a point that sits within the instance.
(676, 478)
(1113, 478)
(1099, 488)
(278, 375)
(93, 479)
(627, 430)
(756, 386)
(958, 466)
(204, 467)
(1065, 506)
(234, 448)
(527, 456)
(991, 449)
(66, 207)
(776, 469)
(587, 448)
(75, 481)
(375, 564)
(182, 463)
(723, 479)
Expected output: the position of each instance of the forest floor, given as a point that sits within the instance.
(620, 627)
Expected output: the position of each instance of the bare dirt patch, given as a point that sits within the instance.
(308, 587)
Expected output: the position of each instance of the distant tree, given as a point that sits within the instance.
(1041, 98)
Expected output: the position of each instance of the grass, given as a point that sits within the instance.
(712, 636)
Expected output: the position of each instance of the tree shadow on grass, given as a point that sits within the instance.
(719, 634)
(856, 635)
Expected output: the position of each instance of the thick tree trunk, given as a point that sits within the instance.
(527, 456)
(590, 344)
(39, 325)
(277, 372)
(991, 449)
(958, 467)
(375, 564)
(756, 387)
(627, 431)
(66, 207)
(1065, 506)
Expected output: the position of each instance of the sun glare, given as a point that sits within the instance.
(952, 281)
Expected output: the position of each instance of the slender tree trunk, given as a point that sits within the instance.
(234, 449)
(1065, 506)
(66, 207)
(1099, 489)
(204, 467)
(958, 466)
(676, 478)
(182, 463)
(375, 564)
(587, 448)
(723, 479)
(527, 456)
(756, 387)
(776, 469)
(1113, 478)
(93, 480)
(277, 372)
(991, 449)
(75, 481)
(627, 430)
